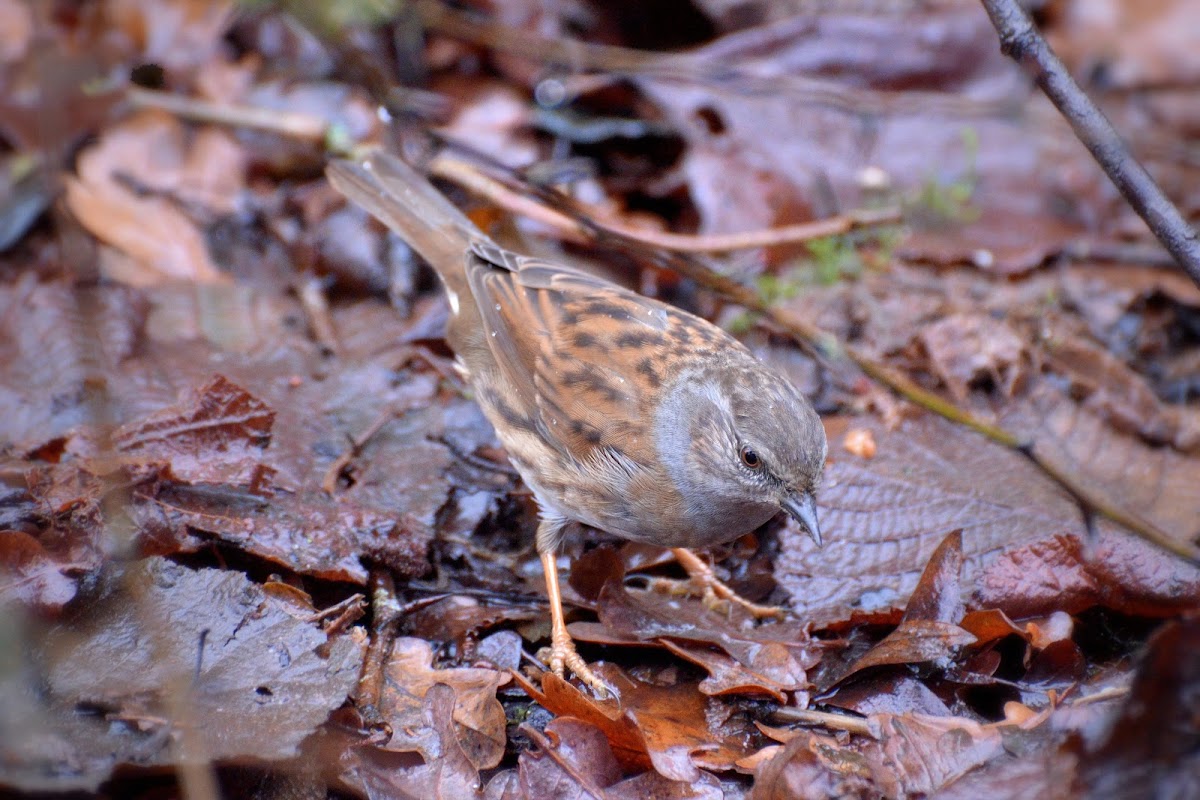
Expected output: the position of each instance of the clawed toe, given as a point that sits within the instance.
(715, 594)
(563, 656)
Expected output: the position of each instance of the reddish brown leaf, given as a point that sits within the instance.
(572, 760)
(1060, 665)
(313, 536)
(967, 349)
(216, 435)
(1157, 483)
(938, 596)
(775, 671)
(754, 161)
(446, 774)
(32, 577)
(928, 631)
(811, 767)
(769, 658)
(990, 625)
(154, 241)
(1111, 390)
(915, 642)
(1056, 627)
(888, 693)
(673, 729)
(918, 755)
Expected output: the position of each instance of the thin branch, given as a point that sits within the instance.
(1020, 40)
(295, 124)
(469, 177)
(835, 722)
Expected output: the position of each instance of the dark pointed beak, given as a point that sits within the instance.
(803, 509)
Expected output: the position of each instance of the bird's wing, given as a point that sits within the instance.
(583, 354)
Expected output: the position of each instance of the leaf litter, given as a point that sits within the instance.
(202, 467)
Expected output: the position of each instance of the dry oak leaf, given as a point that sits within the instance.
(446, 771)
(478, 717)
(573, 761)
(675, 730)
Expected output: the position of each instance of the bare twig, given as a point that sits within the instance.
(1020, 40)
(468, 176)
(311, 292)
(295, 124)
(388, 613)
(330, 481)
(835, 722)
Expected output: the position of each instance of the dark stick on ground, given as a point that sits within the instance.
(1022, 42)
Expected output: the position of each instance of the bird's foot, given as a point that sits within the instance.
(714, 592)
(563, 656)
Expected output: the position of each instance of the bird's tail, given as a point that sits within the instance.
(405, 201)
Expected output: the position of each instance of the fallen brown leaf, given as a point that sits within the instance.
(1023, 550)
(478, 723)
(673, 729)
(166, 658)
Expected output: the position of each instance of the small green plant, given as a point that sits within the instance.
(834, 258)
(940, 202)
(330, 16)
(742, 323)
(773, 288)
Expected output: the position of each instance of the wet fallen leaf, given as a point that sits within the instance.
(217, 435)
(16, 21)
(312, 535)
(33, 577)
(918, 755)
(447, 773)
(767, 658)
(812, 767)
(1155, 482)
(180, 34)
(1155, 739)
(928, 632)
(888, 693)
(1056, 627)
(991, 624)
(572, 760)
(754, 161)
(966, 349)
(168, 661)
(1111, 390)
(1023, 538)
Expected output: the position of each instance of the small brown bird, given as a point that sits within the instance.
(618, 411)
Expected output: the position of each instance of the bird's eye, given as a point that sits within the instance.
(750, 458)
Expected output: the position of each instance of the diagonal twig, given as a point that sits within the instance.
(1020, 40)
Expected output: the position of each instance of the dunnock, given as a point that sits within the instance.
(618, 411)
